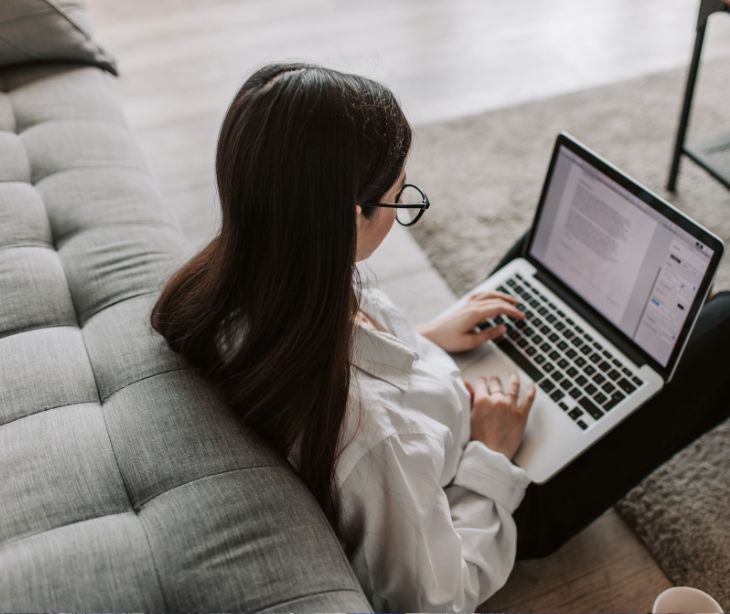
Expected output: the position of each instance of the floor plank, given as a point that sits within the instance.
(603, 568)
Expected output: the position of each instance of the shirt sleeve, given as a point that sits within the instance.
(421, 547)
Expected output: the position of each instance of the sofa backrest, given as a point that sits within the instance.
(126, 483)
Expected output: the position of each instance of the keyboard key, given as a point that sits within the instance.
(558, 375)
(595, 357)
(571, 353)
(562, 345)
(589, 370)
(572, 372)
(537, 322)
(575, 413)
(554, 355)
(559, 325)
(582, 424)
(545, 329)
(554, 337)
(626, 386)
(568, 334)
(550, 318)
(613, 401)
(539, 359)
(563, 406)
(562, 363)
(578, 330)
(580, 361)
(548, 367)
(613, 375)
(626, 372)
(585, 349)
(604, 366)
(575, 393)
(530, 350)
(511, 283)
(531, 370)
(577, 341)
(547, 385)
(545, 347)
(590, 408)
(608, 387)
(588, 338)
(598, 378)
(566, 384)
(600, 398)
(616, 363)
(557, 394)
(591, 389)
(636, 381)
(581, 380)
(536, 339)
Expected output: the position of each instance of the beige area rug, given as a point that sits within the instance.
(484, 174)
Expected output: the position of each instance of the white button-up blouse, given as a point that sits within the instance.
(428, 512)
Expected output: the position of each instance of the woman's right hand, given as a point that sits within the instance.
(497, 420)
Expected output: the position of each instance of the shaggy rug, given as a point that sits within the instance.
(484, 173)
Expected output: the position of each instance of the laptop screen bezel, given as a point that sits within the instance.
(621, 339)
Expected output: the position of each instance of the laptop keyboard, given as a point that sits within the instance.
(584, 378)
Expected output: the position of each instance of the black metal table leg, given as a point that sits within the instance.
(686, 106)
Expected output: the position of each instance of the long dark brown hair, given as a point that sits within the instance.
(266, 308)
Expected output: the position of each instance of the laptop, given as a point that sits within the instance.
(611, 283)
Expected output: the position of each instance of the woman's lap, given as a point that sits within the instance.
(691, 404)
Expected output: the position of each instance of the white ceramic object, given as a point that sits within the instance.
(685, 599)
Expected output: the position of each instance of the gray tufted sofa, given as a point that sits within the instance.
(125, 481)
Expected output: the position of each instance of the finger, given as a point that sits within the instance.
(529, 398)
(481, 387)
(492, 294)
(470, 390)
(494, 385)
(488, 334)
(514, 386)
(491, 308)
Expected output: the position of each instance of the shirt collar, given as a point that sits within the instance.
(382, 355)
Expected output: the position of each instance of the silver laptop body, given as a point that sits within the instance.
(612, 281)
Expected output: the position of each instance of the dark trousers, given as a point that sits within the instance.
(697, 399)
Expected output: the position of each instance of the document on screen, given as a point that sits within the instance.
(599, 242)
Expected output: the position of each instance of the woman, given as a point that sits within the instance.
(410, 464)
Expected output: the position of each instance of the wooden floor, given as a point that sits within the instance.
(182, 60)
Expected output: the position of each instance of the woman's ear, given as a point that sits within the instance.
(358, 209)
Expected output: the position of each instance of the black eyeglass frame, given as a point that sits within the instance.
(423, 206)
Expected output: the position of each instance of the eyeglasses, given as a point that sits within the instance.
(410, 202)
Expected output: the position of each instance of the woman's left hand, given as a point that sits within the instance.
(456, 331)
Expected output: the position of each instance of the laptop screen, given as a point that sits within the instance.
(632, 264)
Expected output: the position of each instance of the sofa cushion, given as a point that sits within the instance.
(126, 483)
(49, 30)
